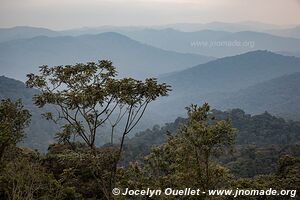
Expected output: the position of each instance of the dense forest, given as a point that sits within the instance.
(149, 100)
(209, 149)
(259, 143)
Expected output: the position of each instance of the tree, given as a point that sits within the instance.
(289, 172)
(187, 159)
(13, 120)
(197, 141)
(89, 96)
(286, 177)
(207, 137)
(25, 178)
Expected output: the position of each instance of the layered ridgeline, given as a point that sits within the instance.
(40, 132)
(218, 26)
(214, 39)
(218, 80)
(284, 31)
(132, 58)
(215, 43)
(230, 27)
(24, 32)
(280, 96)
(248, 81)
(264, 133)
(287, 32)
(231, 73)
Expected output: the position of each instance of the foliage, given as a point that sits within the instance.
(13, 120)
(140, 145)
(198, 152)
(40, 132)
(285, 177)
(86, 171)
(251, 160)
(200, 155)
(87, 96)
(261, 129)
(187, 159)
(24, 178)
(261, 140)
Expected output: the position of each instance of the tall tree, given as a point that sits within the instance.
(89, 96)
(207, 137)
(187, 159)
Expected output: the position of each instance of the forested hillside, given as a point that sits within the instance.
(80, 130)
(40, 132)
(232, 73)
(149, 100)
(258, 130)
(232, 82)
(279, 96)
(222, 82)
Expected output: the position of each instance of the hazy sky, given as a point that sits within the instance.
(64, 14)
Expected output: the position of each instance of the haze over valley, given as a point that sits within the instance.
(149, 99)
(225, 76)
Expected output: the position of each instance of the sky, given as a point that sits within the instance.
(67, 14)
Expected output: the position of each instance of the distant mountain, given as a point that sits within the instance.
(11, 88)
(223, 26)
(280, 96)
(290, 32)
(214, 43)
(177, 40)
(233, 73)
(40, 132)
(24, 32)
(186, 27)
(19, 57)
(288, 53)
(215, 81)
(100, 29)
(215, 39)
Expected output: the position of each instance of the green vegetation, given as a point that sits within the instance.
(210, 149)
(201, 155)
(186, 159)
(86, 97)
(40, 132)
(13, 120)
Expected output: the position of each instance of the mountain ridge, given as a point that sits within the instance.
(247, 61)
(132, 57)
(24, 32)
(280, 96)
(217, 80)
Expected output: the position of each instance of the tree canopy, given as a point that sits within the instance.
(89, 95)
